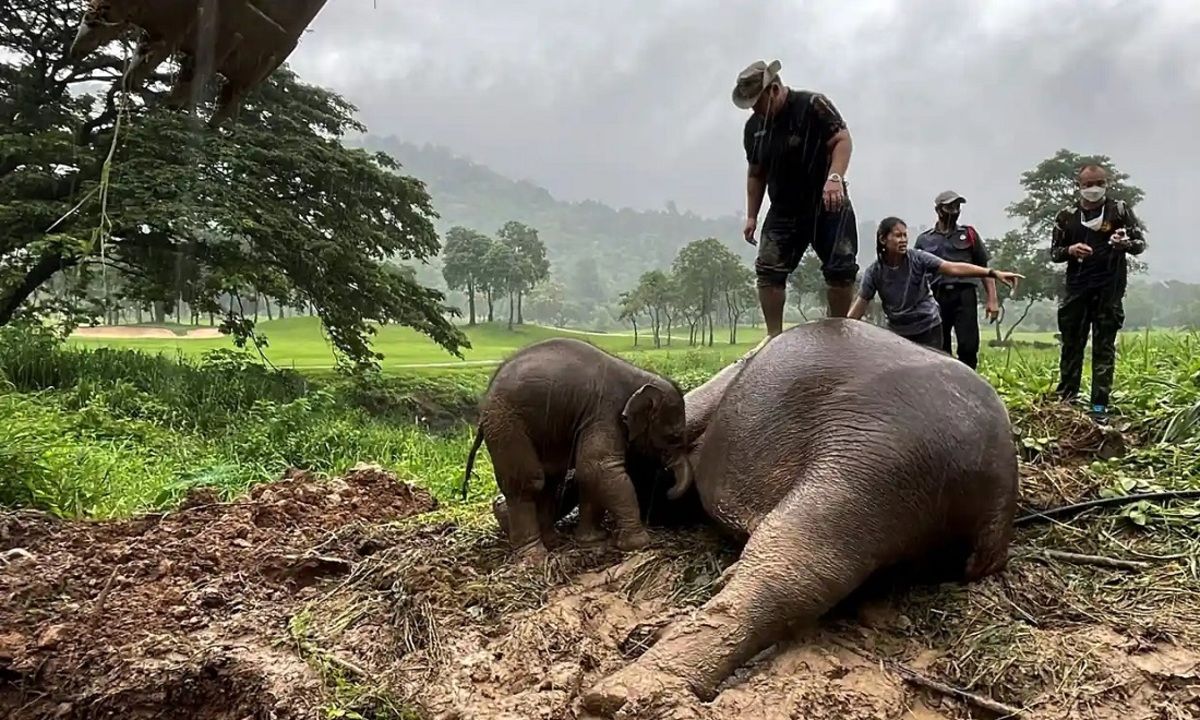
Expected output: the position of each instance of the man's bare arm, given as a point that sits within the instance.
(756, 190)
(841, 146)
(858, 308)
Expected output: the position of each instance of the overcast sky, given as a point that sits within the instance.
(627, 101)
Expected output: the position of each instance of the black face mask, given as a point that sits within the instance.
(950, 217)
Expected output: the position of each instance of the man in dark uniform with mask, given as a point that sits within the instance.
(958, 298)
(1093, 238)
(797, 149)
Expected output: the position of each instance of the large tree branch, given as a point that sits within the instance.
(34, 279)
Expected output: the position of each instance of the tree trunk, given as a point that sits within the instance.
(38, 275)
(160, 312)
(491, 301)
(270, 314)
(138, 315)
(212, 318)
(1013, 327)
(635, 332)
(520, 316)
(511, 314)
(471, 301)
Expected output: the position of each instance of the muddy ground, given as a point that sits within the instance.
(357, 598)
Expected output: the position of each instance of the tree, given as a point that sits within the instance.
(1048, 188)
(655, 293)
(463, 254)
(530, 252)
(631, 307)
(1020, 252)
(501, 273)
(1051, 186)
(699, 268)
(737, 289)
(93, 188)
(807, 281)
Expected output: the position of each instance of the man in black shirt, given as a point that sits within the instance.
(1092, 238)
(798, 149)
(958, 298)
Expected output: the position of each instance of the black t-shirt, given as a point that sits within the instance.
(1106, 267)
(792, 150)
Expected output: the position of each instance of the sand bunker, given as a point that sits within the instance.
(133, 332)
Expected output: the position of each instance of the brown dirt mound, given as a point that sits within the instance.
(307, 600)
(126, 619)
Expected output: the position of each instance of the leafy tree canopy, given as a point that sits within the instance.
(105, 185)
(1051, 186)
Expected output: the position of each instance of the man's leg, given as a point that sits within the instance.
(946, 308)
(1073, 323)
(836, 243)
(966, 325)
(772, 298)
(1106, 324)
(779, 249)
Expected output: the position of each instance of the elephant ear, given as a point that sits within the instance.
(640, 410)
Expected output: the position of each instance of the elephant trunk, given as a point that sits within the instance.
(682, 467)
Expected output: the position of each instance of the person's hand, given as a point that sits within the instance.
(834, 194)
(1008, 278)
(1079, 251)
(992, 311)
(1119, 239)
(748, 230)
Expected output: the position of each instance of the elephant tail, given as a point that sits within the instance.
(471, 460)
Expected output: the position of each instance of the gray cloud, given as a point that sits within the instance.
(628, 102)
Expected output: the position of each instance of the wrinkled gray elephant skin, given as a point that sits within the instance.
(839, 450)
(564, 404)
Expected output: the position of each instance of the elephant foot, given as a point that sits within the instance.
(630, 540)
(636, 689)
(533, 554)
(500, 512)
(553, 539)
(589, 537)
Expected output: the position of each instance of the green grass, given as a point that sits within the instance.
(107, 428)
(299, 343)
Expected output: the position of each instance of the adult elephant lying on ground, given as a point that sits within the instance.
(838, 449)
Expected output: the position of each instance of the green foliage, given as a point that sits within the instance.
(109, 432)
(581, 237)
(806, 283)
(274, 205)
(463, 266)
(1051, 186)
(1020, 252)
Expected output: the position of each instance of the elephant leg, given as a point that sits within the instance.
(519, 475)
(603, 482)
(548, 516)
(789, 572)
(591, 514)
(989, 547)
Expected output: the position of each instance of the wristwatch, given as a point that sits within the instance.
(834, 177)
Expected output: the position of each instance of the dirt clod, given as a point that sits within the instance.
(182, 610)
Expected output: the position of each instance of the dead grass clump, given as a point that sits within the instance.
(1056, 433)
(428, 591)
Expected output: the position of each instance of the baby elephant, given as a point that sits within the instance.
(564, 404)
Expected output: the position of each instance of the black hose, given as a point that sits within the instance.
(1105, 502)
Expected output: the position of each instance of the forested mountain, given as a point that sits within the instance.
(595, 250)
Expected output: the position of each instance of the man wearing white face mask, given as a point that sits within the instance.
(1093, 238)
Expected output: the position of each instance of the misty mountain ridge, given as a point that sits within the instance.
(585, 238)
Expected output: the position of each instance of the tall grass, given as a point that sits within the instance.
(105, 432)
